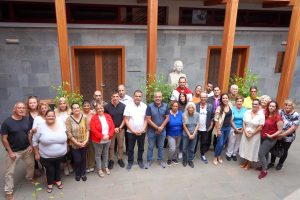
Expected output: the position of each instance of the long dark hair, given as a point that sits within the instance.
(267, 111)
(179, 101)
(222, 105)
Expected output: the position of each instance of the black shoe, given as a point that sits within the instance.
(270, 165)
(169, 162)
(84, 178)
(279, 166)
(121, 163)
(228, 158)
(184, 163)
(129, 166)
(141, 164)
(191, 164)
(175, 161)
(234, 158)
(110, 164)
(77, 178)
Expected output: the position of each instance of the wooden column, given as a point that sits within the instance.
(62, 33)
(152, 38)
(290, 55)
(228, 42)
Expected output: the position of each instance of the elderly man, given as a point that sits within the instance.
(124, 98)
(97, 99)
(182, 89)
(135, 120)
(157, 115)
(116, 110)
(253, 95)
(16, 141)
(234, 91)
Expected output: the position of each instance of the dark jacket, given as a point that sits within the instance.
(210, 113)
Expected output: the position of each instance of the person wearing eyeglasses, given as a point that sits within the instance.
(253, 95)
(253, 122)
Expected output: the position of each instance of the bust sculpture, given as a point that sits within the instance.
(177, 73)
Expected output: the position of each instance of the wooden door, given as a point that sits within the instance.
(97, 69)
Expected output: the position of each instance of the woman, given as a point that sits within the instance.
(50, 147)
(271, 129)
(196, 96)
(32, 111)
(291, 122)
(252, 124)
(40, 119)
(182, 101)
(223, 122)
(238, 112)
(102, 130)
(174, 132)
(90, 154)
(62, 112)
(190, 130)
(78, 134)
(264, 100)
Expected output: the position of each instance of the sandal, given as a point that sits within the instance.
(215, 162)
(49, 189)
(101, 174)
(107, 171)
(220, 160)
(59, 186)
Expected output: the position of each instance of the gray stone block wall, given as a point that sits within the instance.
(32, 66)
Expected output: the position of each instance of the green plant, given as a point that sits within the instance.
(244, 84)
(157, 83)
(72, 97)
(37, 188)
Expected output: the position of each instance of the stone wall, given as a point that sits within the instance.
(32, 66)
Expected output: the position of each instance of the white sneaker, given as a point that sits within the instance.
(180, 155)
(88, 170)
(92, 169)
(66, 171)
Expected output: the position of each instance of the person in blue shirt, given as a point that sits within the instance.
(238, 112)
(174, 132)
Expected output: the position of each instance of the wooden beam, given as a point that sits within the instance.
(277, 3)
(152, 38)
(228, 42)
(62, 35)
(214, 2)
(142, 1)
(291, 52)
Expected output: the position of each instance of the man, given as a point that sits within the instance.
(253, 95)
(209, 89)
(15, 138)
(124, 98)
(135, 120)
(234, 90)
(157, 115)
(97, 99)
(215, 102)
(182, 88)
(206, 115)
(116, 110)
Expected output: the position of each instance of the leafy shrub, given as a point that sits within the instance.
(244, 84)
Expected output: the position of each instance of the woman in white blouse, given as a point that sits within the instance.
(50, 147)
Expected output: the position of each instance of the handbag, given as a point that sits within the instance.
(278, 149)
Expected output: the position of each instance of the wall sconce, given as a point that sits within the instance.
(12, 41)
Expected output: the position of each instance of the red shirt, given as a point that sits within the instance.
(270, 126)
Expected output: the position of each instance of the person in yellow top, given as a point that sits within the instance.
(253, 95)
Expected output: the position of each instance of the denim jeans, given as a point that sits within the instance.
(156, 139)
(221, 140)
(188, 148)
(173, 147)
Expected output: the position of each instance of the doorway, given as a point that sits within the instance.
(239, 63)
(98, 68)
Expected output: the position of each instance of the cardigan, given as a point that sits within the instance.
(96, 128)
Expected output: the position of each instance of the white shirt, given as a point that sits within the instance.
(105, 128)
(210, 94)
(126, 99)
(63, 116)
(175, 96)
(202, 119)
(38, 120)
(136, 115)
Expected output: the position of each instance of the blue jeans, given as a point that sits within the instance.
(188, 147)
(156, 139)
(221, 140)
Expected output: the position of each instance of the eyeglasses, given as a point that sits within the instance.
(98, 95)
(255, 104)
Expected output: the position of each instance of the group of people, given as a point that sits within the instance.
(91, 134)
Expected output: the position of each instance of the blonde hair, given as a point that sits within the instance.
(265, 97)
(41, 104)
(185, 114)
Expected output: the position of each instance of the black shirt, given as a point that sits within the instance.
(115, 112)
(17, 131)
(227, 118)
